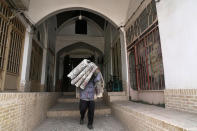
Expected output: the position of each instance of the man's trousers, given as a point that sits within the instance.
(83, 106)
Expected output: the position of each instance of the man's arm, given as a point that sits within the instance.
(98, 77)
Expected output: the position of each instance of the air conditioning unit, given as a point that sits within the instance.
(19, 4)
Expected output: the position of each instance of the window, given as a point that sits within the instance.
(145, 56)
(80, 27)
(3, 40)
(12, 34)
(132, 70)
(15, 52)
(144, 21)
(148, 62)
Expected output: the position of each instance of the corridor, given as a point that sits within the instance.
(145, 49)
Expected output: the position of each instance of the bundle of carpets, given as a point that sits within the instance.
(81, 75)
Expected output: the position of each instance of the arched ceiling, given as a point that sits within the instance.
(79, 45)
(72, 20)
(114, 11)
(79, 51)
(67, 15)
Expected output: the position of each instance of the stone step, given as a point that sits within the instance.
(69, 93)
(116, 93)
(76, 113)
(66, 99)
(117, 98)
(72, 110)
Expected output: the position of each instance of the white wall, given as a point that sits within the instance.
(64, 40)
(178, 32)
(78, 51)
(115, 10)
(69, 29)
(66, 36)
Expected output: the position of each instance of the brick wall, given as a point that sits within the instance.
(24, 111)
(181, 99)
(140, 118)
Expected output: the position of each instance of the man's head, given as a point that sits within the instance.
(97, 71)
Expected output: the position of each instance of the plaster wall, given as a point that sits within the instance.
(177, 24)
(70, 30)
(66, 36)
(66, 40)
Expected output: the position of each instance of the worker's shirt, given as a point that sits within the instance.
(89, 91)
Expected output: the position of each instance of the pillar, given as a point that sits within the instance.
(44, 60)
(25, 83)
(124, 60)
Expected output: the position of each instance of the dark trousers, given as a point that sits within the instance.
(83, 106)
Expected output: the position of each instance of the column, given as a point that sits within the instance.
(25, 83)
(124, 60)
(44, 60)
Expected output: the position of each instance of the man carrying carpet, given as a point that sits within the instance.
(87, 97)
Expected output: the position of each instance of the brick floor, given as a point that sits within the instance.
(101, 123)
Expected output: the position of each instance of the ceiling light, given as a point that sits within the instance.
(80, 16)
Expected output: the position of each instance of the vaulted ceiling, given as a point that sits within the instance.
(114, 11)
(64, 16)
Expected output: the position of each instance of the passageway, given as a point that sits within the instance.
(144, 48)
(64, 116)
(82, 34)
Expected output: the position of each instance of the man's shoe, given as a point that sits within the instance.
(81, 122)
(90, 127)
